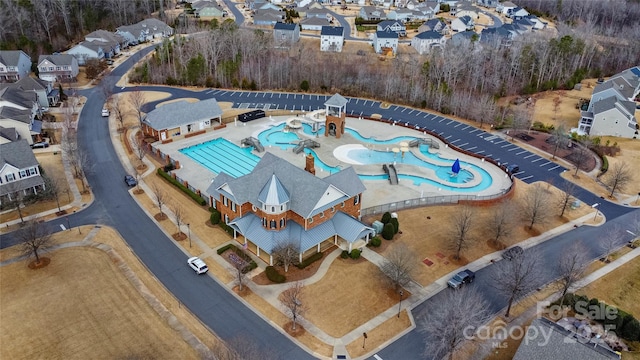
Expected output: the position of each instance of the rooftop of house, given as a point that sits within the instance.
(284, 26)
(618, 83)
(181, 113)
(18, 97)
(386, 34)
(10, 134)
(425, 35)
(561, 344)
(8, 112)
(31, 84)
(332, 31)
(105, 35)
(11, 57)
(58, 59)
(611, 102)
(316, 21)
(17, 154)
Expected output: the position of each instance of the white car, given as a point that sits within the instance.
(197, 265)
(105, 112)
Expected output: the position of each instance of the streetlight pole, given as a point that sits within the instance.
(189, 231)
(400, 303)
(595, 206)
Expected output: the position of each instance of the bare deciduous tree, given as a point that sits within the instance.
(452, 320)
(516, 277)
(53, 187)
(286, 253)
(140, 150)
(178, 216)
(399, 266)
(571, 268)
(535, 207)
(119, 110)
(566, 197)
(501, 221)
(241, 348)
(240, 273)
(559, 138)
(609, 241)
(15, 197)
(581, 154)
(292, 301)
(35, 236)
(137, 100)
(160, 197)
(618, 177)
(461, 226)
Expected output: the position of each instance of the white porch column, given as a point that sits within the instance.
(350, 247)
(234, 234)
(270, 260)
(300, 258)
(258, 250)
(319, 247)
(335, 239)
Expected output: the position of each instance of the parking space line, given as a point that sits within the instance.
(474, 130)
(555, 167)
(480, 152)
(471, 148)
(490, 155)
(458, 125)
(526, 157)
(521, 152)
(403, 109)
(513, 148)
(450, 121)
(547, 163)
(461, 145)
(536, 160)
(504, 146)
(454, 140)
(526, 178)
(441, 120)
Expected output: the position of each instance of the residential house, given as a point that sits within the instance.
(303, 3)
(472, 13)
(19, 172)
(269, 6)
(319, 13)
(372, 13)
(435, 25)
(156, 28)
(488, 3)
(549, 340)
(425, 41)
(58, 67)
(331, 39)
(255, 4)
(14, 65)
(87, 50)
(462, 24)
(394, 26)
(505, 7)
(45, 93)
(385, 42)
(207, 9)
(464, 38)
(524, 23)
(402, 14)
(411, 4)
(8, 135)
(13, 97)
(24, 125)
(537, 23)
(181, 118)
(113, 43)
(314, 24)
(302, 10)
(145, 30)
(279, 204)
(267, 17)
(517, 13)
(497, 36)
(285, 35)
(612, 107)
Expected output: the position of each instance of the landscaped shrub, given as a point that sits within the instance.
(605, 165)
(228, 229)
(388, 231)
(386, 217)
(396, 225)
(250, 263)
(184, 189)
(355, 254)
(215, 217)
(168, 167)
(376, 241)
(274, 276)
(344, 254)
(224, 248)
(310, 260)
(631, 329)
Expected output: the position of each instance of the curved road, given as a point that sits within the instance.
(212, 303)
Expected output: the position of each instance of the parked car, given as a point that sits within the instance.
(513, 168)
(461, 278)
(40, 145)
(105, 112)
(199, 266)
(512, 252)
(130, 181)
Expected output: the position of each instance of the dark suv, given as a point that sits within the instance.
(463, 277)
(513, 168)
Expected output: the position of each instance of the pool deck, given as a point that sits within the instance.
(378, 192)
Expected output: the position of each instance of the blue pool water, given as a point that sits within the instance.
(220, 155)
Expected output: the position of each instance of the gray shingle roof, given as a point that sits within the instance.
(316, 21)
(9, 133)
(57, 59)
(8, 112)
(273, 193)
(386, 34)
(562, 344)
(305, 190)
(610, 103)
(17, 154)
(31, 84)
(618, 83)
(11, 57)
(336, 100)
(332, 31)
(18, 97)
(106, 35)
(181, 113)
(429, 35)
(284, 26)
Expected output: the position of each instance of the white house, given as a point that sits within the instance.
(462, 24)
(425, 41)
(113, 43)
(19, 172)
(385, 40)
(314, 24)
(517, 13)
(43, 90)
(21, 121)
(285, 35)
(145, 30)
(331, 38)
(372, 13)
(392, 25)
(87, 50)
(612, 107)
(14, 65)
(505, 7)
(181, 118)
(22, 100)
(58, 67)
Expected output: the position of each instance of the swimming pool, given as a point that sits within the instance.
(220, 155)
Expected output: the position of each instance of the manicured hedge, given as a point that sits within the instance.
(375, 241)
(184, 189)
(224, 248)
(605, 165)
(386, 217)
(388, 231)
(310, 260)
(355, 254)
(226, 228)
(215, 217)
(396, 225)
(250, 263)
(274, 276)
(344, 254)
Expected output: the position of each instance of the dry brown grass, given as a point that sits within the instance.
(378, 336)
(356, 284)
